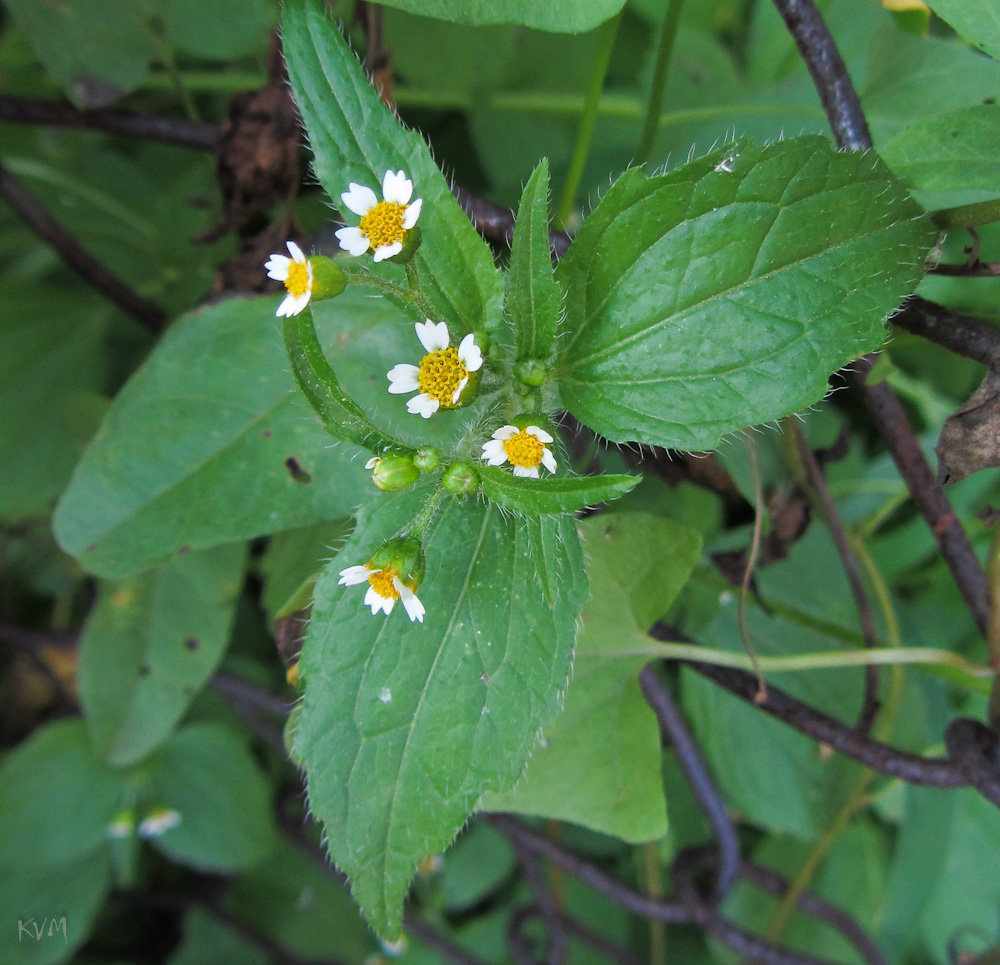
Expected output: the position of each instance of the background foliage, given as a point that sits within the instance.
(169, 504)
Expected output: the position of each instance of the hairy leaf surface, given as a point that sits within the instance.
(725, 293)
(404, 725)
(355, 138)
(605, 746)
(195, 449)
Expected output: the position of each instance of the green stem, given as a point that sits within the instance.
(651, 124)
(416, 292)
(427, 514)
(826, 660)
(968, 215)
(585, 132)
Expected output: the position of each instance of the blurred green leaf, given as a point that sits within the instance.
(605, 746)
(563, 16)
(207, 941)
(227, 29)
(50, 355)
(41, 901)
(205, 773)
(551, 495)
(966, 894)
(355, 138)
(978, 22)
(295, 556)
(207, 444)
(98, 50)
(725, 293)
(404, 725)
(955, 151)
(56, 799)
(300, 905)
(478, 863)
(150, 644)
(533, 297)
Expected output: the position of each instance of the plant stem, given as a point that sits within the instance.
(651, 124)
(968, 215)
(585, 132)
(654, 888)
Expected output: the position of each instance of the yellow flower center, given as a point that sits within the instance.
(523, 450)
(383, 224)
(381, 581)
(297, 281)
(439, 375)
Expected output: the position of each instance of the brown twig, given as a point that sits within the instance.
(960, 334)
(83, 263)
(497, 224)
(167, 130)
(977, 269)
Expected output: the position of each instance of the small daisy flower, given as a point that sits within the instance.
(297, 274)
(159, 821)
(122, 826)
(525, 449)
(384, 223)
(443, 373)
(392, 574)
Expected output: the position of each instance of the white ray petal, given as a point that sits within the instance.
(403, 378)
(423, 405)
(549, 461)
(359, 198)
(540, 434)
(433, 335)
(412, 213)
(353, 240)
(470, 353)
(387, 251)
(354, 575)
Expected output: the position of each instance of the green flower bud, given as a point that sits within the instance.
(393, 472)
(427, 459)
(460, 479)
(403, 556)
(531, 371)
(328, 279)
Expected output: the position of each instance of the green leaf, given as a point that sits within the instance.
(234, 28)
(532, 295)
(978, 22)
(97, 50)
(972, 856)
(41, 902)
(295, 558)
(724, 293)
(404, 725)
(207, 941)
(50, 355)
(56, 799)
(561, 16)
(341, 416)
(206, 774)
(956, 151)
(209, 442)
(150, 644)
(478, 863)
(301, 906)
(551, 495)
(605, 745)
(355, 137)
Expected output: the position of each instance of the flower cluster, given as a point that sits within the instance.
(444, 378)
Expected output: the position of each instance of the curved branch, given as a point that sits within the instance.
(960, 334)
(82, 262)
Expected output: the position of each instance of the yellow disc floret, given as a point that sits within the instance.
(440, 374)
(524, 450)
(297, 281)
(381, 581)
(383, 225)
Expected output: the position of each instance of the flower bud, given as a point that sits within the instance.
(403, 556)
(328, 279)
(393, 472)
(460, 479)
(531, 371)
(427, 459)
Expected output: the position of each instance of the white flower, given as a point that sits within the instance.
(158, 822)
(443, 373)
(384, 223)
(525, 449)
(297, 274)
(385, 588)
